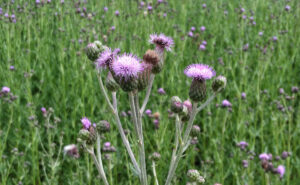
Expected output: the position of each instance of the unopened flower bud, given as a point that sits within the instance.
(155, 156)
(151, 57)
(195, 131)
(176, 104)
(143, 77)
(185, 116)
(92, 51)
(84, 134)
(103, 126)
(197, 90)
(219, 83)
(195, 176)
(110, 83)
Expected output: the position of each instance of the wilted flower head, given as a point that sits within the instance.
(86, 123)
(162, 41)
(199, 71)
(127, 66)
(71, 150)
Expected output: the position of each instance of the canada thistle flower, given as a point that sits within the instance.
(126, 69)
(86, 123)
(199, 73)
(161, 41)
(280, 170)
(104, 59)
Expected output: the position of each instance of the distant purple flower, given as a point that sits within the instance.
(127, 66)
(260, 33)
(71, 150)
(165, 15)
(148, 112)
(204, 43)
(193, 28)
(202, 47)
(62, 1)
(6, 15)
(12, 68)
(105, 59)
(281, 91)
(280, 170)
(161, 41)
(160, 1)
(242, 145)
(48, 1)
(156, 123)
(246, 47)
(275, 38)
(253, 23)
(161, 91)
(86, 122)
(190, 34)
(117, 13)
(245, 163)
(113, 28)
(295, 89)
(44, 110)
(13, 16)
(199, 71)
(287, 8)
(264, 156)
(107, 144)
(37, 1)
(242, 10)
(226, 103)
(204, 5)
(142, 3)
(244, 16)
(105, 9)
(149, 8)
(188, 104)
(243, 95)
(82, 14)
(251, 18)
(284, 154)
(202, 28)
(94, 125)
(5, 89)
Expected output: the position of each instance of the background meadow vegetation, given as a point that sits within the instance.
(45, 45)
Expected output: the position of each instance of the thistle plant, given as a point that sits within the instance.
(132, 75)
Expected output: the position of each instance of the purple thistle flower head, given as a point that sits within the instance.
(280, 170)
(160, 1)
(105, 59)
(44, 110)
(190, 34)
(287, 8)
(243, 95)
(264, 156)
(37, 1)
(149, 8)
(86, 123)
(226, 103)
(5, 89)
(112, 28)
(260, 33)
(202, 47)
(127, 66)
(161, 91)
(204, 43)
(199, 71)
(12, 68)
(275, 38)
(148, 112)
(142, 3)
(162, 41)
(202, 28)
(105, 9)
(165, 14)
(204, 5)
(193, 28)
(117, 13)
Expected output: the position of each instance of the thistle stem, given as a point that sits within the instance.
(148, 92)
(154, 173)
(119, 125)
(100, 160)
(140, 126)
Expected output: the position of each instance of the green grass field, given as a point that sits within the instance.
(46, 47)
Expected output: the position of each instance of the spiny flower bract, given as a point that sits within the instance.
(199, 71)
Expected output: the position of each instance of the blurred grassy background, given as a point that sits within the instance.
(46, 44)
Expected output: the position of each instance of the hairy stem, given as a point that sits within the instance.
(148, 92)
(98, 145)
(154, 173)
